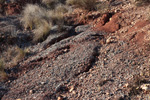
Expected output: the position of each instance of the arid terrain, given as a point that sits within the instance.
(95, 54)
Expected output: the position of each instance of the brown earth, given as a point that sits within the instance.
(106, 59)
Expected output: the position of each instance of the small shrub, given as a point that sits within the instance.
(3, 75)
(57, 16)
(41, 32)
(71, 2)
(86, 4)
(36, 18)
(50, 3)
(20, 53)
(13, 55)
(40, 19)
(142, 2)
(102, 7)
(32, 15)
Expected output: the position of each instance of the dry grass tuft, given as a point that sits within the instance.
(32, 15)
(12, 56)
(86, 4)
(36, 18)
(3, 75)
(40, 19)
(102, 7)
(57, 16)
(50, 3)
(142, 2)
(41, 32)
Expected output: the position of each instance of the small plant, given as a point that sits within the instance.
(13, 55)
(142, 2)
(36, 18)
(32, 15)
(42, 31)
(102, 7)
(3, 75)
(57, 16)
(40, 19)
(19, 55)
(50, 3)
(86, 4)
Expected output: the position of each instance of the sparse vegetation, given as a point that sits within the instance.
(86, 4)
(3, 75)
(57, 16)
(12, 56)
(36, 18)
(50, 3)
(102, 7)
(142, 2)
(32, 14)
(40, 20)
(41, 31)
(18, 54)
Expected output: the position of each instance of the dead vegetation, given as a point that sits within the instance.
(40, 20)
(85, 4)
(142, 2)
(12, 56)
(3, 75)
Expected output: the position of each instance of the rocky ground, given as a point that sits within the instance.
(105, 58)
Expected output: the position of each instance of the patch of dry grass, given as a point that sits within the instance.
(57, 16)
(85, 4)
(102, 7)
(41, 31)
(32, 15)
(40, 20)
(12, 56)
(142, 2)
(3, 75)
(36, 18)
(50, 3)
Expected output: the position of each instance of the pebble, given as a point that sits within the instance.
(110, 40)
(60, 98)
(42, 83)
(71, 88)
(145, 87)
(31, 91)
